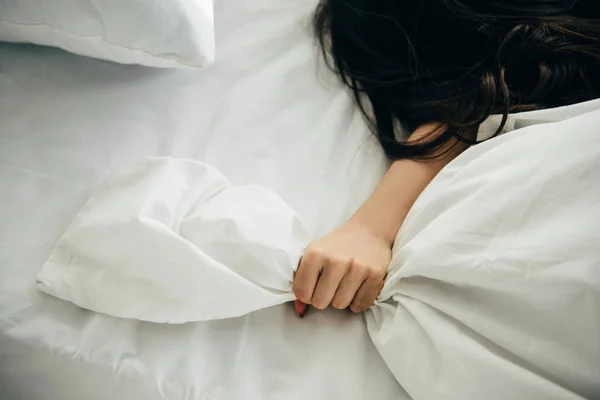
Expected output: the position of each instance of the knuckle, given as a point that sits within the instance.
(340, 263)
(353, 265)
(319, 304)
(311, 254)
(339, 304)
(335, 260)
(375, 272)
(357, 268)
(370, 270)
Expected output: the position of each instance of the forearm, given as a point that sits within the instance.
(384, 212)
(347, 267)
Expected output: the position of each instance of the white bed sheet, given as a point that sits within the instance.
(266, 113)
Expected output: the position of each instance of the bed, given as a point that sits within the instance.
(493, 291)
(264, 113)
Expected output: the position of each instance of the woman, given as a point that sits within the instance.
(438, 68)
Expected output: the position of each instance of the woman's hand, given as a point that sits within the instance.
(345, 268)
(348, 266)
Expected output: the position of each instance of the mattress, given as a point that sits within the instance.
(268, 112)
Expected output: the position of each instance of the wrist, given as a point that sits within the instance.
(376, 228)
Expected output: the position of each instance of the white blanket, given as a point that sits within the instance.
(493, 291)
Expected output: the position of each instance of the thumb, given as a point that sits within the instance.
(300, 308)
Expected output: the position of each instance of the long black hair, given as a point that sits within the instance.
(455, 62)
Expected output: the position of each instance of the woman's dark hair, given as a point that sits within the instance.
(458, 61)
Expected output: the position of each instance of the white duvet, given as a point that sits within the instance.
(493, 291)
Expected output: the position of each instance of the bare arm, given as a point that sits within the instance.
(347, 267)
(385, 210)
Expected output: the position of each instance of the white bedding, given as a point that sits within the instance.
(493, 290)
(261, 115)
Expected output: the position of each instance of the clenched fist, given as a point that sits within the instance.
(345, 268)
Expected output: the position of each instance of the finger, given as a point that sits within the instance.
(300, 308)
(307, 275)
(328, 283)
(348, 287)
(367, 294)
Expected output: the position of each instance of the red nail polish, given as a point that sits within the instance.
(300, 308)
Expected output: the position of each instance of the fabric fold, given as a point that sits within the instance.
(494, 287)
(172, 242)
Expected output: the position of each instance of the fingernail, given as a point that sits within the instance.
(300, 308)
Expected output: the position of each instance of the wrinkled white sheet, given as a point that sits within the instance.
(173, 241)
(493, 291)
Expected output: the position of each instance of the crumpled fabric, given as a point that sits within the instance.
(493, 291)
(174, 241)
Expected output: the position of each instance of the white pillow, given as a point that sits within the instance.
(156, 33)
